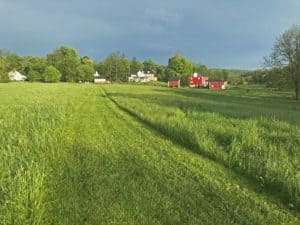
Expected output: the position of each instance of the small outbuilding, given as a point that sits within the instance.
(98, 79)
(16, 76)
(217, 84)
(174, 82)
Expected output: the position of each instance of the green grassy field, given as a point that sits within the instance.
(122, 154)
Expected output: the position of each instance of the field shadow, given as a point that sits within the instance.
(216, 102)
(184, 140)
(241, 106)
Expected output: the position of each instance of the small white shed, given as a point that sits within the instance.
(98, 79)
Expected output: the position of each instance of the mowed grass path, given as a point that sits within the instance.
(69, 155)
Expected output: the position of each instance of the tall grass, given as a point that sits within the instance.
(262, 147)
(69, 156)
(28, 141)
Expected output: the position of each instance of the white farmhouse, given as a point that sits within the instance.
(16, 76)
(142, 77)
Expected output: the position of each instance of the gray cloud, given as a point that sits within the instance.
(163, 16)
(232, 33)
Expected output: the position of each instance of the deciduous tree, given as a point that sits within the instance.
(201, 69)
(4, 77)
(149, 66)
(85, 72)
(85, 60)
(33, 76)
(51, 75)
(135, 66)
(286, 54)
(66, 60)
(117, 67)
(14, 62)
(33, 63)
(179, 66)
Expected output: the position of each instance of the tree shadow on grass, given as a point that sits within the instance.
(244, 106)
(216, 102)
(185, 140)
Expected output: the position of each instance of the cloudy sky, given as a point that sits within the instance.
(218, 33)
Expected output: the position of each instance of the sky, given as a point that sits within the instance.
(219, 33)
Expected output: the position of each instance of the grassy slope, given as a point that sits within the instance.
(72, 157)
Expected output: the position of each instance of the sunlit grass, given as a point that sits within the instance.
(69, 155)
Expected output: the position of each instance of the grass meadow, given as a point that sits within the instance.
(123, 154)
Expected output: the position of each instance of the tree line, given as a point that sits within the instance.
(65, 64)
(275, 78)
(282, 67)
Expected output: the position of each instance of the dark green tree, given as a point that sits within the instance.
(201, 69)
(66, 60)
(85, 72)
(85, 60)
(286, 55)
(3, 66)
(179, 66)
(255, 76)
(34, 76)
(278, 78)
(100, 67)
(33, 63)
(117, 67)
(161, 73)
(225, 74)
(4, 77)
(14, 62)
(149, 66)
(135, 66)
(51, 75)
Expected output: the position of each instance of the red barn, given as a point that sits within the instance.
(217, 84)
(197, 80)
(174, 82)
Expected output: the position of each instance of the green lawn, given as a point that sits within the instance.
(122, 154)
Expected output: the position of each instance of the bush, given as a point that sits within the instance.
(85, 73)
(34, 76)
(51, 75)
(4, 78)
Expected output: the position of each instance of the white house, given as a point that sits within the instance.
(16, 76)
(142, 77)
(98, 79)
